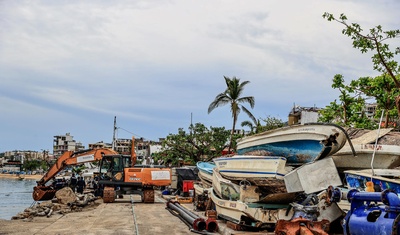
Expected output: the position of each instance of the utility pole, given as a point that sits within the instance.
(191, 123)
(115, 129)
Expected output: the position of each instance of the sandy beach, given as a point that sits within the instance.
(14, 176)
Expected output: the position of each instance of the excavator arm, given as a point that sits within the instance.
(69, 158)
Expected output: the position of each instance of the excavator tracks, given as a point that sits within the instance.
(148, 195)
(108, 194)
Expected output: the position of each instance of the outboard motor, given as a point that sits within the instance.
(368, 216)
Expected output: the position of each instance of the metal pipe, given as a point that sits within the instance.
(197, 223)
(177, 204)
(211, 225)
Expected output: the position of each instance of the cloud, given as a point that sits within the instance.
(71, 66)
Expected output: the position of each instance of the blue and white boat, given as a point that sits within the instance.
(205, 173)
(382, 178)
(258, 170)
(299, 144)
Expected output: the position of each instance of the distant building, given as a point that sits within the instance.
(12, 167)
(21, 155)
(370, 110)
(63, 143)
(302, 115)
(123, 146)
(100, 145)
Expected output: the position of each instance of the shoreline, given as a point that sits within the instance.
(14, 176)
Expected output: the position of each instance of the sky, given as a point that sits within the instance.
(72, 66)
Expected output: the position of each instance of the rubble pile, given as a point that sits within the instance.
(65, 201)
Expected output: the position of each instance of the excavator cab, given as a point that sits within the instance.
(112, 167)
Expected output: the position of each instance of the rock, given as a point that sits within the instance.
(46, 204)
(65, 196)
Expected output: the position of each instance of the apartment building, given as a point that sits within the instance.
(63, 143)
(100, 145)
(302, 115)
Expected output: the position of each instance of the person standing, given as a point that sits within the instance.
(80, 185)
(73, 182)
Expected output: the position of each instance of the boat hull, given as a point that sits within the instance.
(386, 157)
(205, 172)
(234, 211)
(299, 144)
(251, 167)
(241, 213)
(205, 178)
(225, 188)
(382, 178)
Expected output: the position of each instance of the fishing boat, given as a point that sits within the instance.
(237, 211)
(382, 179)
(21, 176)
(205, 172)
(256, 169)
(299, 144)
(386, 157)
(225, 188)
(267, 214)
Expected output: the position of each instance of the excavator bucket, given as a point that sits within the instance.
(43, 193)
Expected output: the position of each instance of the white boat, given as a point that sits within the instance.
(252, 168)
(259, 214)
(225, 188)
(386, 157)
(299, 144)
(205, 173)
(236, 211)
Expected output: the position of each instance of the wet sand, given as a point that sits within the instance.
(14, 176)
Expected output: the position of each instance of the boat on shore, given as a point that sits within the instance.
(299, 144)
(205, 173)
(241, 213)
(261, 215)
(382, 179)
(258, 170)
(386, 157)
(225, 188)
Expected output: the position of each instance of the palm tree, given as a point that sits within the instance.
(232, 96)
(249, 125)
(254, 128)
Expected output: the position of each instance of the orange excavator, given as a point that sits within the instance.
(117, 175)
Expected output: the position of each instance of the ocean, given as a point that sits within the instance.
(15, 196)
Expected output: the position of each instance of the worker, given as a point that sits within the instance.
(80, 184)
(73, 182)
(54, 182)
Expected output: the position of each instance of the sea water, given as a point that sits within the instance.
(15, 196)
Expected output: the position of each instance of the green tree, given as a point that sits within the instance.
(350, 111)
(193, 146)
(272, 123)
(31, 164)
(383, 90)
(383, 57)
(254, 127)
(233, 96)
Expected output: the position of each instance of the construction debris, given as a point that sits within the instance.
(66, 201)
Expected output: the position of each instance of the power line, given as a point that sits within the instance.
(131, 132)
